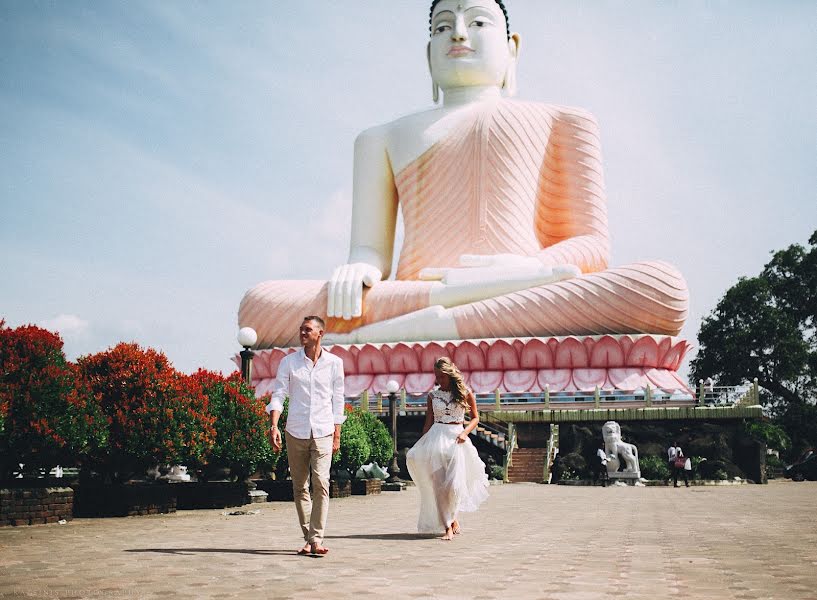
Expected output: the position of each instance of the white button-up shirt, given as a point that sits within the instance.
(315, 393)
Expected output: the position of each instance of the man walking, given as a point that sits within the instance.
(313, 381)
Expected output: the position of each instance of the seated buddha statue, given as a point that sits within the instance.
(504, 213)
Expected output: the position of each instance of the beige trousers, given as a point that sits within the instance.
(312, 457)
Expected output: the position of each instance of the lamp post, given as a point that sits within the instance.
(394, 468)
(247, 338)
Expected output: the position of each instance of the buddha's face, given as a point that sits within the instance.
(469, 44)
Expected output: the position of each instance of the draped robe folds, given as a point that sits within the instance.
(513, 177)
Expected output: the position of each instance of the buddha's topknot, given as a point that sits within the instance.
(499, 2)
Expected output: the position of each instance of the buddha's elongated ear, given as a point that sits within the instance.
(509, 83)
(435, 89)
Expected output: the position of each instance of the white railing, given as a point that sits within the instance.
(522, 400)
(511, 446)
(747, 394)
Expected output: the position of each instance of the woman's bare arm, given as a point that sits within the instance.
(472, 424)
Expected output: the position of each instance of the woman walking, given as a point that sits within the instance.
(444, 464)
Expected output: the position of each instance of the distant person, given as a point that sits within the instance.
(678, 462)
(687, 470)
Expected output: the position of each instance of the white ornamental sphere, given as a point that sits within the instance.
(392, 386)
(247, 337)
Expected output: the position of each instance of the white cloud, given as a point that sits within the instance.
(69, 326)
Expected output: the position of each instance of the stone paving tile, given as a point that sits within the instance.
(529, 541)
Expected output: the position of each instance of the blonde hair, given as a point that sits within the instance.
(459, 393)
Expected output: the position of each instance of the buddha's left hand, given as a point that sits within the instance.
(484, 277)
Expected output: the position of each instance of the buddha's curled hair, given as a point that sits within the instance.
(459, 393)
(499, 2)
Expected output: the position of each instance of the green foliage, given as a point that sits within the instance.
(496, 472)
(773, 466)
(355, 448)
(800, 423)
(774, 436)
(380, 440)
(574, 466)
(654, 467)
(363, 439)
(568, 474)
(242, 426)
(766, 327)
(774, 462)
(697, 461)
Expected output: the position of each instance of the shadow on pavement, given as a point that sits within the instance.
(214, 550)
(384, 536)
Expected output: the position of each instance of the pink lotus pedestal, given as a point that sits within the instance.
(564, 364)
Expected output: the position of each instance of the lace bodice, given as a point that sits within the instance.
(446, 410)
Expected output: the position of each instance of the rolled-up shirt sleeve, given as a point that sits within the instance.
(338, 394)
(279, 388)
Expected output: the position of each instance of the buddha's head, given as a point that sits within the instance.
(471, 45)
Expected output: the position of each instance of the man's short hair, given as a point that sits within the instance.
(317, 320)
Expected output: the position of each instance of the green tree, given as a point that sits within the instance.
(764, 327)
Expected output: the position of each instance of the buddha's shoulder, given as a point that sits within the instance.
(408, 122)
(569, 115)
(406, 138)
(558, 112)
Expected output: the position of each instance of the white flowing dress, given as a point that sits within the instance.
(450, 476)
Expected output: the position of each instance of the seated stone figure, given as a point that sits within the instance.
(503, 205)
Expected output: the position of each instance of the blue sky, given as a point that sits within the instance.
(157, 159)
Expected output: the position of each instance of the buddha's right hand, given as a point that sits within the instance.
(346, 289)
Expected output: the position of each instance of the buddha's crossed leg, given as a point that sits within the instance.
(646, 297)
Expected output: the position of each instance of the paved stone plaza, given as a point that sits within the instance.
(530, 541)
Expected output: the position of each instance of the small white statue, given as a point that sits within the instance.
(178, 473)
(372, 471)
(615, 447)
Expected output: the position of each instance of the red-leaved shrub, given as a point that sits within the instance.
(242, 440)
(155, 414)
(47, 413)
